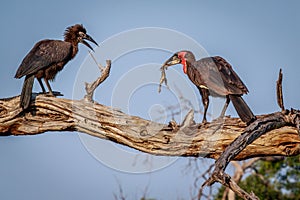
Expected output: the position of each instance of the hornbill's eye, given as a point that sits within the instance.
(81, 34)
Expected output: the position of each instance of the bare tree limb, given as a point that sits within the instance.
(91, 87)
(57, 114)
(270, 135)
(250, 134)
(239, 172)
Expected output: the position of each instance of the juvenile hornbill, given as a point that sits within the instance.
(47, 58)
(214, 76)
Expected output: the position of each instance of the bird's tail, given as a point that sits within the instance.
(242, 109)
(26, 91)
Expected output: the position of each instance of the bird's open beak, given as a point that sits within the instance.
(174, 60)
(87, 37)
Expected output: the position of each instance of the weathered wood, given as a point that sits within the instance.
(230, 139)
(91, 87)
(251, 133)
(254, 131)
(57, 114)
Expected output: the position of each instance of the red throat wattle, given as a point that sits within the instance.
(184, 66)
(183, 61)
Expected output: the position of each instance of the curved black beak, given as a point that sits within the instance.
(174, 60)
(87, 37)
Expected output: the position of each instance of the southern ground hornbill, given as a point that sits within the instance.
(47, 58)
(214, 76)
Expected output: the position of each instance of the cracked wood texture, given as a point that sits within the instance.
(210, 140)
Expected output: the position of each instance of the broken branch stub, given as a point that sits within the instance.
(279, 91)
(91, 87)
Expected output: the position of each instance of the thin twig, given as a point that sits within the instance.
(203, 175)
(98, 64)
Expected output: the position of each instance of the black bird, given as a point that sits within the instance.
(47, 58)
(214, 76)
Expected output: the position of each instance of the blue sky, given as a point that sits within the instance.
(256, 37)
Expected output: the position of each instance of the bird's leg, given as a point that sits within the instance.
(49, 88)
(205, 100)
(205, 104)
(41, 84)
(225, 107)
(51, 93)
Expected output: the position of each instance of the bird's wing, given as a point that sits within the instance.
(218, 76)
(43, 54)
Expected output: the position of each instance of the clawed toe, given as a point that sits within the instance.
(52, 94)
(203, 123)
(55, 93)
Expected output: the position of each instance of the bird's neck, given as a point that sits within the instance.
(184, 66)
(70, 37)
(186, 63)
(74, 47)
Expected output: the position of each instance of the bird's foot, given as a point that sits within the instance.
(56, 93)
(252, 120)
(53, 94)
(203, 124)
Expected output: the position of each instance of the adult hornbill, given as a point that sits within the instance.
(47, 58)
(214, 76)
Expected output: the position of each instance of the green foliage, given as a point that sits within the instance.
(261, 188)
(273, 180)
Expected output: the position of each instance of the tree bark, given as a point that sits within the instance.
(210, 140)
(275, 134)
(251, 133)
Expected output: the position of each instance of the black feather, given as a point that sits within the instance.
(242, 109)
(44, 54)
(47, 58)
(214, 76)
(26, 92)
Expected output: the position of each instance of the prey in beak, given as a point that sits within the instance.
(174, 60)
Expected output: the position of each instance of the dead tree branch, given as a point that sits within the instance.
(91, 87)
(239, 172)
(57, 114)
(270, 135)
(250, 134)
(279, 91)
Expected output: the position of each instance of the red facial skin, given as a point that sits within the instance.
(183, 61)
